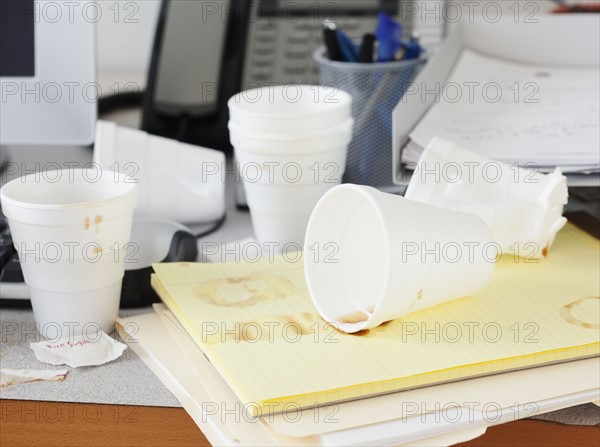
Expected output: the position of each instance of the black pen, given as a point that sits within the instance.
(331, 42)
(367, 49)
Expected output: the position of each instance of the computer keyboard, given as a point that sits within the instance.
(175, 243)
(12, 285)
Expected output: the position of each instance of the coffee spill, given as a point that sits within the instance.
(545, 251)
(86, 223)
(369, 333)
(267, 329)
(355, 317)
(97, 221)
(244, 291)
(567, 315)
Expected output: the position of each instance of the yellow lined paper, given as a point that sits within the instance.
(256, 324)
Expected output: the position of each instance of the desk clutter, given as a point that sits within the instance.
(227, 310)
(369, 314)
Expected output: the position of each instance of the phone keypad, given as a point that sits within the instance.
(280, 50)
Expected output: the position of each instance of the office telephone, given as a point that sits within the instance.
(206, 51)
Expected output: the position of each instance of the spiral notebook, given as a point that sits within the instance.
(256, 324)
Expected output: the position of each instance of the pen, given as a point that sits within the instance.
(412, 48)
(346, 46)
(331, 41)
(389, 38)
(367, 49)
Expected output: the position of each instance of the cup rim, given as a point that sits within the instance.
(367, 193)
(238, 106)
(129, 189)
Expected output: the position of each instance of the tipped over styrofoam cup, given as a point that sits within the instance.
(290, 109)
(371, 257)
(522, 207)
(177, 181)
(71, 229)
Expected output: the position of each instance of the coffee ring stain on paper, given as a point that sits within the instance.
(289, 327)
(268, 329)
(244, 291)
(582, 306)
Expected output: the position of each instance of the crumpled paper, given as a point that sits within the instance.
(9, 377)
(79, 350)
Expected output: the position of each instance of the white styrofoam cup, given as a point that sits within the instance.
(71, 229)
(372, 257)
(177, 181)
(293, 169)
(522, 207)
(291, 144)
(280, 213)
(290, 109)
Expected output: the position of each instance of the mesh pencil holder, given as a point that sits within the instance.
(376, 89)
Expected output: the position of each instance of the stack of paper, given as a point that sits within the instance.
(256, 325)
(439, 415)
(516, 113)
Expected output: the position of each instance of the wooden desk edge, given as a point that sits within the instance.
(33, 423)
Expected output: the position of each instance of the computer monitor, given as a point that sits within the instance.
(47, 72)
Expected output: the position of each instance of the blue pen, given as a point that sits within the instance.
(347, 47)
(389, 35)
(412, 48)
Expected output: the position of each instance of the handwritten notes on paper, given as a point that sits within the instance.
(515, 112)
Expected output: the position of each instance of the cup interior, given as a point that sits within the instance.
(346, 255)
(63, 188)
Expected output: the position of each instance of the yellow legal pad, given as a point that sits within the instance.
(256, 324)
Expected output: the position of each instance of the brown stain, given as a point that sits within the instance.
(97, 221)
(545, 251)
(183, 264)
(565, 313)
(370, 333)
(271, 328)
(267, 329)
(86, 223)
(419, 297)
(363, 333)
(255, 288)
(97, 249)
(355, 317)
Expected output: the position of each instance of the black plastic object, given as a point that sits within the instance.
(137, 291)
(210, 130)
(160, 241)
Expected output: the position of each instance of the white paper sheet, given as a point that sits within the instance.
(516, 112)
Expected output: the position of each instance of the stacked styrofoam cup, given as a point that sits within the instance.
(291, 144)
